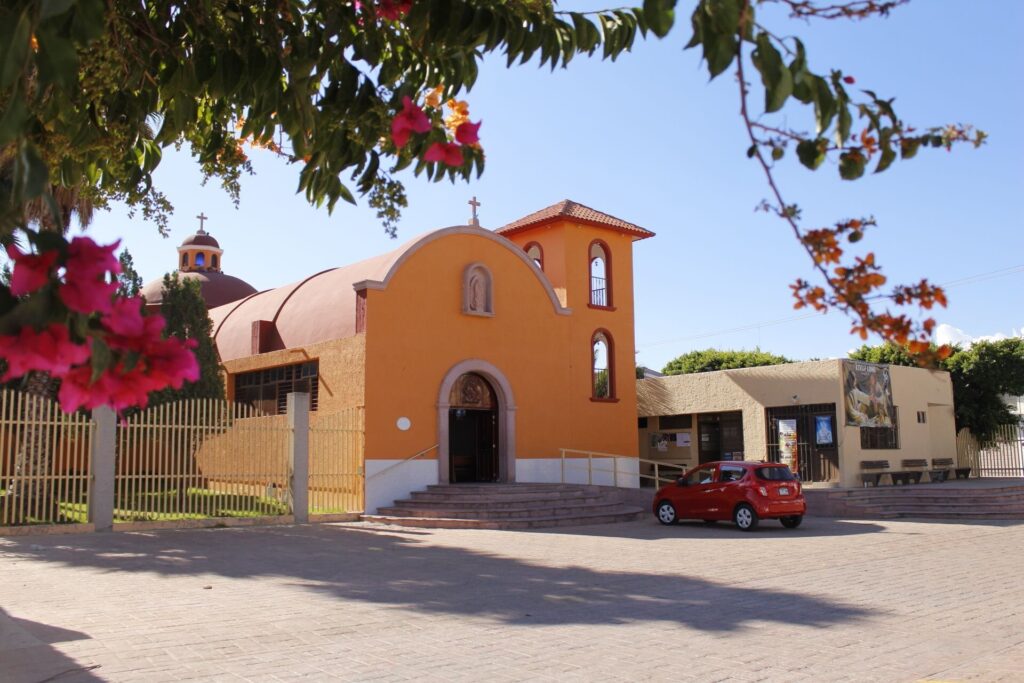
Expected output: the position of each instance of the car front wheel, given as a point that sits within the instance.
(666, 513)
(745, 517)
(792, 522)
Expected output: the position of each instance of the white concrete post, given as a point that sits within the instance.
(298, 453)
(101, 467)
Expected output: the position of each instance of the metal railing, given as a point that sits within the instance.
(200, 458)
(336, 445)
(598, 291)
(1002, 457)
(402, 462)
(618, 474)
(44, 461)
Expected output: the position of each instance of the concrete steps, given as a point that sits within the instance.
(507, 506)
(926, 502)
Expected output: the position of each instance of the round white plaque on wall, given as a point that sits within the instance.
(403, 423)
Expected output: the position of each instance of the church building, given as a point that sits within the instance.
(486, 352)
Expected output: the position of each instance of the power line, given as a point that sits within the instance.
(968, 280)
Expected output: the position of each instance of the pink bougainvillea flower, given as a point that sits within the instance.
(468, 133)
(50, 350)
(31, 271)
(172, 363)
(393, 10)
(125, 317)
(849, 80)
(446, 152)
(87, 296)
(410, 120)
(89, 261)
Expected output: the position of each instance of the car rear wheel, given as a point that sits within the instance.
(745, 517)
(666, 513)
(792, 522)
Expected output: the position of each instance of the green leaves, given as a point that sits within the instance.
(851, 165)
(660, 15)
(777, 79)
(716, 27)
(811, 153)
(15, 33)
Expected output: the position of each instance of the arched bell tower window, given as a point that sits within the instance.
(600, 268)
(200, 260)
(184, 260)
(477, 290)
(535, 253)
(213, 261)
(603, 373)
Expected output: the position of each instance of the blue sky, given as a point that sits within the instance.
(649, 140)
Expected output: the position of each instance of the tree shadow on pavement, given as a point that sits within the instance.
(647, 528)
(409, 570)
(26, 652)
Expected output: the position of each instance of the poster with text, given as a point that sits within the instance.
(787, 443)
(867, 392)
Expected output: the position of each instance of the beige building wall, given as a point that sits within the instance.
(913, 390)
(342, 370)
(752, 390)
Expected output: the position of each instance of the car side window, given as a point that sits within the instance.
(730, 473)
(702, 475)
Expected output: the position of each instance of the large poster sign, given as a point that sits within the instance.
(823, 430)
(787, 443)
(867, 390)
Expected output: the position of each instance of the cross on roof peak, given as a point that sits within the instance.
(202, 217)
(474, 220)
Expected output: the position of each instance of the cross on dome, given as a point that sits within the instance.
(202, 217)
(474, 220)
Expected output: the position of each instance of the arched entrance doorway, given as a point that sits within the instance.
(473, 431)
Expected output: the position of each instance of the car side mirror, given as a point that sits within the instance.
(681, 481)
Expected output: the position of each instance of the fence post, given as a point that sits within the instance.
(298, 454)
(101, 466)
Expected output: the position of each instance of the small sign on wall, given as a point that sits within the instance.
(682, 439)
(787, 443)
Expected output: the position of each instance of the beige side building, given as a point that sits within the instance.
(752, 414)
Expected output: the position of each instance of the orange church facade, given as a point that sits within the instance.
(488, 351)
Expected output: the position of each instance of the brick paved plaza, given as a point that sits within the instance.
(834, 600)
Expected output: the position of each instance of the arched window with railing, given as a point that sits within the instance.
(184, 260)
(603, 371)
(535, 253)
(213, 261)
(600, 268)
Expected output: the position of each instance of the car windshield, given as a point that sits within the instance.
(775, 473)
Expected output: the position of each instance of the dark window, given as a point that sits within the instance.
(730, 473)
(213, 260)
(184, 260)
(267, 390)
(675, 422)
(775, 473)
(641, 423)
(922, 417)
(882, 437)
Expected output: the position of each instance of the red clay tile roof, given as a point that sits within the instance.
(571, 210)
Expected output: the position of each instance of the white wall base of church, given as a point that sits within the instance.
(549, 471)
(384, 488)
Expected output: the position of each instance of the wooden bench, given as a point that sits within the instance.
(874, 478)
(940, 469)
(913, 476)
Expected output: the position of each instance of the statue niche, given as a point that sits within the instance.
(477, 291)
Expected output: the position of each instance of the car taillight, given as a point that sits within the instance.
(798, 487)
(763, 490)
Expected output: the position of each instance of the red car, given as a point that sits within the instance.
(744, 492)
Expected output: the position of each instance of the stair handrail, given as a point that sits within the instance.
(402, 462)
(658, 479)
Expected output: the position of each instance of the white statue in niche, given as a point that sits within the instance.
(477, 290)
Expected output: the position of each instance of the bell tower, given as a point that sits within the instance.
(200, 253)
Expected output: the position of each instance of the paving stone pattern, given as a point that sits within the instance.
(832, 601)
